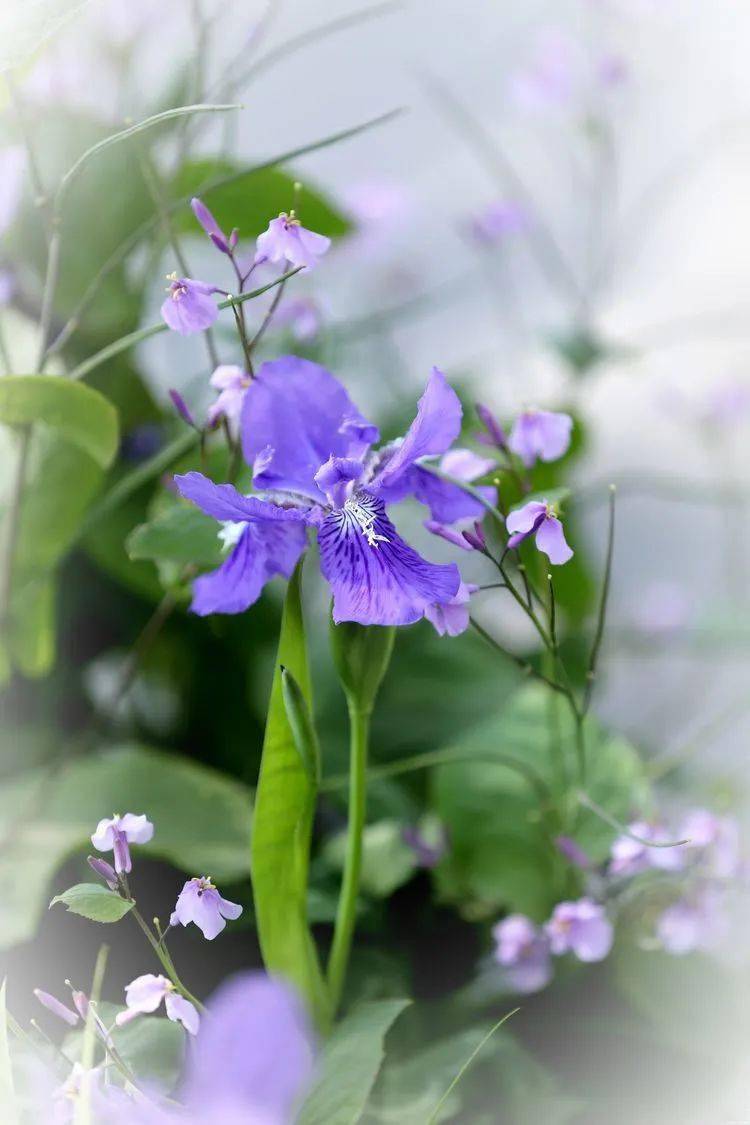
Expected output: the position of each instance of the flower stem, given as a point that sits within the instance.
(359, 727)
(165, 959)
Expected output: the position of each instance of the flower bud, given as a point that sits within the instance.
(104, 870)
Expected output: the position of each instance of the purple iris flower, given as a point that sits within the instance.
(199, 901)
(581, 928)
(189, 307)
(540, 435)
(310, 448)
(145, 994)
(232, 383)
(450, 619)
(523, 951)
(212, 228)
(286, 240)
(52, 1004)
(117, 833)
(540, 519)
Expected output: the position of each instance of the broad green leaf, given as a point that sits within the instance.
(94, 902)
(500, 855)
(31, 632)
(8, 1104)
(202, 821)
(282, 825)
(181, 534)
(25, 27)
(78, 413)
(349, 1066)
(387, 862)
(251, 200)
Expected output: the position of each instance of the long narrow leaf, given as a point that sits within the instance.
(282, 823)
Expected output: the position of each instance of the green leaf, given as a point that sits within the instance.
(387, 862)
(202, 821)
(302, 725)
(181, 534)
(8, 1104)
(78, 413)
(502, 853)
(94, 902)
(282, 826)
(31, 630)
(251, 200)
(349, 1066)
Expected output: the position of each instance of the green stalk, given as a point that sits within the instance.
(359, 733)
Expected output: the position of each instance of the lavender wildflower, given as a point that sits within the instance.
(212, 228)
(104, 870)
(496, 221)
(189, 307)
(540, 519)
(145, 994)
(540, 435)
(117, 833)
(286, 240)
(232, 383)
(199, 901)
(523, 950)
(581, 928)
(452, 618)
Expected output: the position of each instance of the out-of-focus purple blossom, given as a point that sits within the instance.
(539, 518)
(301, 315)
(612, 70)
(182, 408)
(728, 403)
(189, 306)
(572, 851)
(232, 383)
(104, 870)
(717, 840)
(145, 994)
(496, 222)
(540, 435)
(286, 240)
(663, 607)
(550, 77)
(450, 619)
(199, 901)
(7, 287)
(581, 928)
(308, 445)
(450, 534)
(52, 1004)
(475, 537)
(696, 922)
(630, 857)
(212, 228)
(142, 442)
(495, 434)
(11, 184)
(428, 840)
(523, 950)
(376, 203)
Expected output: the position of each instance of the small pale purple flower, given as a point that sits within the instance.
(212, 228)
(696, 922)
(428, 840)
(540, 519)
(286, 240)
(581, 928)
(717, 841)
(145, 994)
(199, 901)
(495, 222)
(450, 619)
(523, 950)
(232, 383)
(540, 435)
(117, 833)
(631, 857)
(189, 307)
(301, 316)
(52, 1004)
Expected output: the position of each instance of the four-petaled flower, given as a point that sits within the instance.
(286, 240)
(524, 952)
(581, 928)
(117, 833)
(232, 383)
(311, 452)
(540, 519)
(450, 619)
(199, 901)
(189, 307)
(540, 435)
(144, 995)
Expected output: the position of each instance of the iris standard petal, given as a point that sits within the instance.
(224, 502)
(435, 428)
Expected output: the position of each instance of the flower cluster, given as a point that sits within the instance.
(525, 950)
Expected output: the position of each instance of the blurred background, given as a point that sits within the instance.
(555, 215)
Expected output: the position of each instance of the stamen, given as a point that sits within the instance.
(366, 522)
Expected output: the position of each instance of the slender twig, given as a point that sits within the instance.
(602, 615)
(527, 668)
(267, 318)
